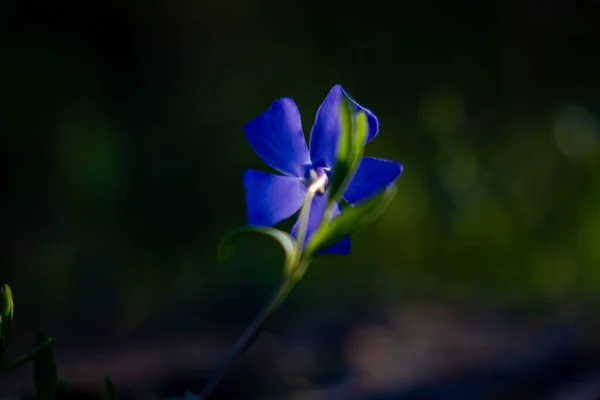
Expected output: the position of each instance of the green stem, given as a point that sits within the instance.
(303, 224)
(295, 274)
(28, 357)
(305, 214)
(250, 334)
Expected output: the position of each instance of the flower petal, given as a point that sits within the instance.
(341, 247)
(373, 175)
(271, 198)
(276, 136)
(317, 209)
(326, 129)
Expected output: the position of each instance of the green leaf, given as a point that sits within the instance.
(7, 310)
(341, 167)
(350, 149)
(351, 220)
(360, 135)
(61, 388)
(109, 389)
(239, 235)
(28, 357)
(7, 306)
(45, 374)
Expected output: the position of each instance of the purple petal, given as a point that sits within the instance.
(373, 175)
(317, 209)
(340, 247)
(271, 198)
(326, 129)
(276, 136)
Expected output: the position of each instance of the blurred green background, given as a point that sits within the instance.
(123, 154)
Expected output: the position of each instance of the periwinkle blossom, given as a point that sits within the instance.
(277, 138)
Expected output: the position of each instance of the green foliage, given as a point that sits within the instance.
(6, 316)
(29, 356)
(47, 384)
(45, 373)
(351, 220)
(350, 148)
(109, 389)
(7, 310)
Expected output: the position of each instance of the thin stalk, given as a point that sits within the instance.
(294, 276)
(249, 334)
(319, 184)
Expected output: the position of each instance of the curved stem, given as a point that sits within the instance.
(303, 224)
(250, 334)
(295, 274)
(318, 185)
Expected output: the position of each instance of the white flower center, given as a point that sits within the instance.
(318, 179)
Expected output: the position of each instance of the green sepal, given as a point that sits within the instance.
(351, 220)
(233, 239)
(341, 167)
(350, 149)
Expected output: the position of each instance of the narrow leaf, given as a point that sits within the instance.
(45, 374)
(61, 388)
(342, 166)
(7, 307)
(360, 136)
(351, 220)
(7, 310)
(353, 134)
(239, 235)
(28, 357)
(109, 389)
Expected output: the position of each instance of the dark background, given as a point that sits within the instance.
(123, 152)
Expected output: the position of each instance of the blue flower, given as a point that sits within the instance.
(276, 137)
